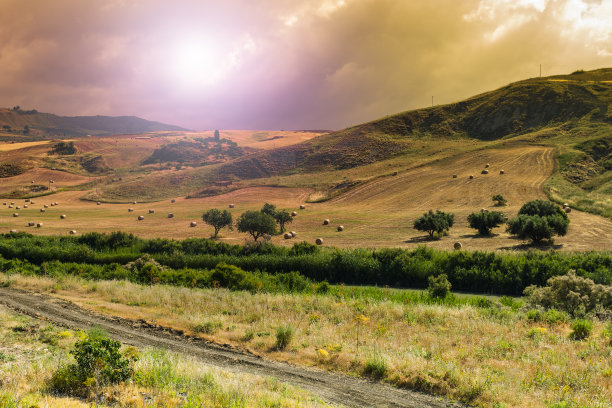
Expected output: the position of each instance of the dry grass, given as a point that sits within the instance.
(481, 355)
(28, 360)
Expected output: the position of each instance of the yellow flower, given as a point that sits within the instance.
(362, 319)
(323, 353)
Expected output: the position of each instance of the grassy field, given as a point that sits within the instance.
(31, 351)
(489, 354)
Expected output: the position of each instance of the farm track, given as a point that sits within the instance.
(333, 388)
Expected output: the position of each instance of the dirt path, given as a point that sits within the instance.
(333, 388)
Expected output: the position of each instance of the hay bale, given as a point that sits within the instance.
(483, 210)
(134, 202)
(12, 203)
(568, 210)
(151, 211)
(32, 202)
(73, 232)
(484, 172)
(4, 203)
(15, 215)
(454, 176)
(13, 231)
(173, 201)
(340, 228)
(288, 235)
(231, 206)
(31, 224)
(267, 237)
(98, 203)
(293, 214)
(487, 166)
(193, 224)
(130, 210)
(25, 206)
(63, 216)
(170, 215)
(302, 207)
(395, 173)
(325, 222)
(319, 241)
(140, 218)
(10, 206)
(565, 205)
(55, 203)
(293, 233)
(42, 210)
(457, 245)
(501, 172)
(27, 200)
(39, 225)
(18, 208)
(52, 204)
(471, 176)
(46, 206)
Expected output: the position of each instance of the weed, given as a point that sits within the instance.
(375, 367)
(581, 329)
(284, 336)
(208, 327)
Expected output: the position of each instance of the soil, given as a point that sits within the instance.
(333, 388)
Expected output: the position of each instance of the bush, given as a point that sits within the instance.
(63, 148)
(208, 327)
(485, 221)
(284, 335)
(434, 223)
(607, 333)
(375, 367)
(538, 220)
(303, 248)
(581, 329)
(570, 293)
(98, 363)
(233, 278)
(439, 287)
(499, 200)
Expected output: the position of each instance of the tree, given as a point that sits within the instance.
(485, 221)
(64, 148)
(26, 130)
(538, 220)
(439, 287)
(218, 219)
(256, 223)
(269, 209)
(6, 128)
(499, 199)
(432, 223)
(283, 217)
(217, 135)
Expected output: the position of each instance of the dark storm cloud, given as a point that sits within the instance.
(284, 64)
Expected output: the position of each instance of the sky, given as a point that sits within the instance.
(285, 64)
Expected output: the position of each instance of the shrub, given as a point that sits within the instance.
(485, 221)
(218, 219)
(581, 329)
(439, 287)
(98, 363)
(233, 278)
(208, 327)
(499, 200)
(434, 223)
(256, 223)
(570, 293)
(303, 248)
(538, 220)
(607, 333)
(284, 335)
(375, 367)
(63, 148)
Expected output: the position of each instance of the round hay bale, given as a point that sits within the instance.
(39, 225)
(471, 176)
(72, 232)
(454, 176)
(130, 209)
(302, 207)
(27, 200)
(293, 233)
(12, 203)
(319, 241)
(231, 206)
(10, 206)
(501, 172)
(134, 202)
(52, 204)
(487, 166)
(395, 173)
(568, 210)
(325, 222)
(173, 201)
(55, 203)
(98, 203)
(15, 215)
(42, 210)
(25, 206)
(46, 206)
(18, 208)
(193, 224)
(288, 235)
(293, 214)
(151, 211)
(267, 237)
(457, 245)
(565, 205)
(32, 202)
(484, 172)
(340, 228)
(170, 215)
(31, 224)
(483, 210)
(13, 231)
(63, 216)
(140, 218)
(4, 203)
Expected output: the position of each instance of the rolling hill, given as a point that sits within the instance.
(20, 125)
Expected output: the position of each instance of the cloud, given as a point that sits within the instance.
(278, 64)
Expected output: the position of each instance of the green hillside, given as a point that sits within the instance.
(27, 125)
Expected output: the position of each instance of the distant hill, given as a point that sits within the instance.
(508, 112)
(33, 125)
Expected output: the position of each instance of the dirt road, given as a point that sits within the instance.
(333, 388)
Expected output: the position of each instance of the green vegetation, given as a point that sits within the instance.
(284, 336)
(63, 148)
(256, 223)
(499, 200)
(434, 223)
(218, 219)
(538, 220)
(10, 170)
(581, 329)
(485, 221)
(283, 217)
(439, 287)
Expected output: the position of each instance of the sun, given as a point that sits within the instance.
(196, 64)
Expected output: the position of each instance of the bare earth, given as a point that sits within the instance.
(333, 388)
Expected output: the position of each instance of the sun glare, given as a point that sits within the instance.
(196, 64)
